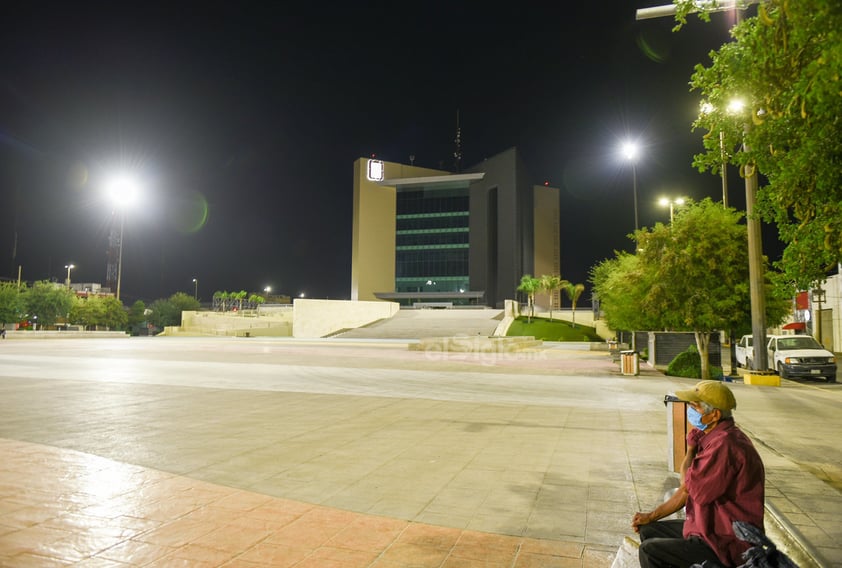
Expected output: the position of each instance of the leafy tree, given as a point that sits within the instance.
(11, 303)
(163, 313)
(550, 283)
(48, 301)
(529, 285)
(573, 292)
(167, 312)
(690, 275)
(184, 302)
(114, 313)
(99, 311)
(87, 312)
(137, 314)
(621, 283)
(785, 64)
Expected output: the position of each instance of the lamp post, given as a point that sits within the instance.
(664, 201)
(122, 190)
(819, 297)
(196, 289)
(755, 248)
(69, 267)
(707, 108)
(630, 151)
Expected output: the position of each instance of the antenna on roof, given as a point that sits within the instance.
(458, 153)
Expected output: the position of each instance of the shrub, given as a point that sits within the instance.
(688, 364)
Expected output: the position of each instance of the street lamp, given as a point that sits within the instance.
(755, 247)
(196, 289)
(122, 191)
(630, 151)
(664, 201)
(819, 297)
(69, 267)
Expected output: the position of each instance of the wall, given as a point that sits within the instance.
(320, 318)
(501, 247)
(664, 346)
(278, 324)
(373, 229)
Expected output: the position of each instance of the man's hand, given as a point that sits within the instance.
(641, 519)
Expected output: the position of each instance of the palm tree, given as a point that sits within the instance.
(529, 285)
(573, 292)
(239, 296)
(220, 297)
(550, 283)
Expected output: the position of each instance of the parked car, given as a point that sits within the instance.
(800, 356)
(744, 351)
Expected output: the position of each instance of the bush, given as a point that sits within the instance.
(688, 364)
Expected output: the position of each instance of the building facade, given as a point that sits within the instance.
(431, 238)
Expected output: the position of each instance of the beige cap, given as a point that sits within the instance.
(715, 393)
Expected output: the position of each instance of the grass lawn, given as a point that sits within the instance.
(552, 330)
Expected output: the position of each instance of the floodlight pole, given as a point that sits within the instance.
(755, 246)
(120, 254)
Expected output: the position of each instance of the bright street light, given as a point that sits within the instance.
(664, 201)
(195, 288)
(630, 152)
(122, 191)
(69, 267)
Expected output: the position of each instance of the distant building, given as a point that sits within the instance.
(84, 289)
(425, 237)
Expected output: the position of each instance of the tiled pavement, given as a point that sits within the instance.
(66, 508)
(196, 452)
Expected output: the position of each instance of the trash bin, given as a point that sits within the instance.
(630, 363)
(677, 429)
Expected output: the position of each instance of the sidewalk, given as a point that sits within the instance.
(197, 452)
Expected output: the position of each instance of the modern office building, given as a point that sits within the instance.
(425, 237)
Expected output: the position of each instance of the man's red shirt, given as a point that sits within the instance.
(725, 483)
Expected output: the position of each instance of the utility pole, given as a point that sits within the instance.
(757, 291)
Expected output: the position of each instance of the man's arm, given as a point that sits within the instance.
(671, 505)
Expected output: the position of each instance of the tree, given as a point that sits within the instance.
(549, 283)
(167, 312)
(690, 275)
(573, 292)
(136, 315)
(529, 285)
(621, 283)
(48, 302)
(96, 311)
(114, 313)
(11, 303)
(239, 296)
(785, 63)
(220, 298)
(184, 302)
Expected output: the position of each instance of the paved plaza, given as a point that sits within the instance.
(271, 452)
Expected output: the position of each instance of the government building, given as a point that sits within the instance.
(431, 238)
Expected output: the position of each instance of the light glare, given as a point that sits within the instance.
(630, 150)
(122, 190)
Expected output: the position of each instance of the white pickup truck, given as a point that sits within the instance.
(744, 351)
(800, 356)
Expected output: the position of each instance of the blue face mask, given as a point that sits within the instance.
(694, 417)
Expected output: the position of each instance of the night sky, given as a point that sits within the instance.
(242, 120)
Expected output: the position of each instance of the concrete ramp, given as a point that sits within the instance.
(418, 323)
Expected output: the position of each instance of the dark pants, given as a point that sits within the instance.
(662, 545)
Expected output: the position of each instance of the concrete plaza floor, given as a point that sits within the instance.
(247, 452)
